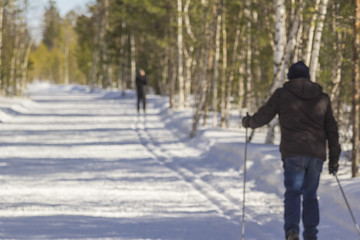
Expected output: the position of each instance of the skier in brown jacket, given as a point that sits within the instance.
(307, 124)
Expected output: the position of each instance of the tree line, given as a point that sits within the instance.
(215, 56)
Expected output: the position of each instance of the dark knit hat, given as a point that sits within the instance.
(298, 70)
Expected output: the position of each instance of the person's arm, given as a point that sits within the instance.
(267, 112)
(332, 136)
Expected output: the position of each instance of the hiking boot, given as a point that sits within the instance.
(292, 235)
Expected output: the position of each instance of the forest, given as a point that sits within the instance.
(214, 56)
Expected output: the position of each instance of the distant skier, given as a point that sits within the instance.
(141, 82)
(306, 122)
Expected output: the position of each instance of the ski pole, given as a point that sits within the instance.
(244, 185)
(348, 205)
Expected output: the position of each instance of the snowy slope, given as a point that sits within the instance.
(80, 165)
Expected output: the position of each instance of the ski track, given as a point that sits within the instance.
(224, 203)
(80, 165)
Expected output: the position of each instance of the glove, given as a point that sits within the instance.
(246, 121)
(333, 168)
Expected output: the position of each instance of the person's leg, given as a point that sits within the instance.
(138, 102)
(311, 215)
(293, 180)
(144, 103)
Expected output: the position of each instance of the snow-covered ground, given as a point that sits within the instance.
(80, 165)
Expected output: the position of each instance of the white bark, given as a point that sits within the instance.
(224, 83)
(216, 70)
(317, 40)
(187, 20)
(121, 66)
(25, 65)
(95, 57)
(249, 80)
(133, 61)
(280, 39)
(241, 90)
(12, 77)
(104, 45)
(1, 44)
(187, 73)
(66, 64)
(338, 46)
(309, 45)
(180, 57)
(164, 74)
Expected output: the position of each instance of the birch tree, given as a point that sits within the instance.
(188, 54)
(95, 57)
(180, 56)
(1, 44)
(355, 84)
(338, 46)
(309, 45)
(249, 81)
(171, 55)
(226, 86)
(216, 69)
(317, 39)
(15, 53)
(133, 60)
(280, 43)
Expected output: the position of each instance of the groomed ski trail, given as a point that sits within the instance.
(85, 165)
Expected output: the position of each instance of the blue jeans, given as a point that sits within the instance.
(302, 175)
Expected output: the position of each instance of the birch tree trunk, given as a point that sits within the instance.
(104, 73)
(24, 67)
(133, 60)
(249, 81)
(164, 74)
(1, 44)
(172, 76)
(101, 42)
(280, 42)
(210, 62)
(317, 40)
(188, 64)
(108, 62)
(216, 70)
(180, 57)
(22, 48)
(188, 55)
(187, 20)
(309, 45)
(12, 76)
(225, 84)
(95, 57)
(121, 67)
(356, 104)
(170, 49)
(241, 69)
(66, 64)
(338, 46)
(298, 41)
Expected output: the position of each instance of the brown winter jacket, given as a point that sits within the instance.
(306, 120)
